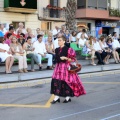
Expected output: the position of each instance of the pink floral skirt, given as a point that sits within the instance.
(64, 83)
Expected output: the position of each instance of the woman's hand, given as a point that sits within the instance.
(33, 49)
(63, 58)
(8, 52)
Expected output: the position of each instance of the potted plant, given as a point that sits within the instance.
(49, 6)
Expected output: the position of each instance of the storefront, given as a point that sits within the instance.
(106, 27)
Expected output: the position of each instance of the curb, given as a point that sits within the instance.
(48, 80)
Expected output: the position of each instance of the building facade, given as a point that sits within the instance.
(34, 13)
(51, 13)
(14, 12)
(100, 16)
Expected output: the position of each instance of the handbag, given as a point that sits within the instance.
(74, 68)
(18, 54)
(29, 52)
(84, 50)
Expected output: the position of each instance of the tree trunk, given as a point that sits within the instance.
(70, 15)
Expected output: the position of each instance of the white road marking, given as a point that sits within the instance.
(111, 117)
(85, 111)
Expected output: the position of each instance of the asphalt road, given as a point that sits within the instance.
(102, 102)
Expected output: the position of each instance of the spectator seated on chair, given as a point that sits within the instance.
(9, 39)
(50, 48)
(19, 54)
(116, 47)
(28, 47)
(40, 51)
(81, 41)
(90, 49)
(105, 48)
(114, 52)
(6, 56)
(99, 52)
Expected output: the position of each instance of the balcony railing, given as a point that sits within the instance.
(55, 14)
(114, 12)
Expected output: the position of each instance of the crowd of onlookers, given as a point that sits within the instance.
(21, 44)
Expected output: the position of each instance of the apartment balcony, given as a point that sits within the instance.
(90, 13)
(54, 14)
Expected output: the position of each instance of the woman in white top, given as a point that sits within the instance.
(90, 49)
(114, 52)
(50, 49)
(73, 37)
(116, 48)
(81, 41)
(105, 49)
(19, 54)
(5, 55)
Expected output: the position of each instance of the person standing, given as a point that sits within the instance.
(55, 32)
(114, 36)
(65, 84)
(21, 27)
(68, 36)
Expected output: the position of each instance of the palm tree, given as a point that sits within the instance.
(70, 15)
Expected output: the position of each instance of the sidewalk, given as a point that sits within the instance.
(41, 81)
(86, 68)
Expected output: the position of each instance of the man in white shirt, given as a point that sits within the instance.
(40, 51)
(55, 42)
(114, 36)
(116, 45)
(99, 52)
(55, 32)
(21, 27)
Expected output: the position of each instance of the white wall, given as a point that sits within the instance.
(117, 30)
(31, 20)
(63, 3)
(114, 3)
(1, 5)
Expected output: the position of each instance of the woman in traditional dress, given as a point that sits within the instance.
(65, 84)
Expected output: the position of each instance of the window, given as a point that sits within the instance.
(92, 4)
(81, 4)
(102, 5)
(54, 13)
(54, 2)
(109, 3)
(16, 3)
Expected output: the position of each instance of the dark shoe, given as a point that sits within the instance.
(65, 101)
(53, 102)
(103, 63)
(40, 68)
(49, 68)
(116, 62)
